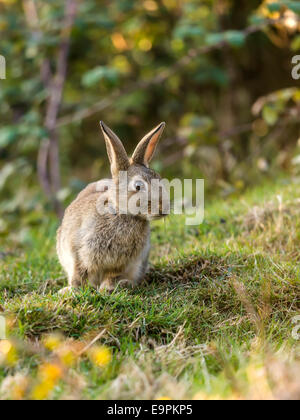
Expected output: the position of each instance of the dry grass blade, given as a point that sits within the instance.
(86, 348)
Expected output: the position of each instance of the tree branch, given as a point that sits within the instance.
(159, 78)
(48, 155)
(56, 89)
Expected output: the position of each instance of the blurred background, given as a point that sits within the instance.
(219, 72)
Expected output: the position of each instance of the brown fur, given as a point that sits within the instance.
(106, 249)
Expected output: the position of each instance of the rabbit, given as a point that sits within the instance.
(111, 248)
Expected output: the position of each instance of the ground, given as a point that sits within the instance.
(215, 317)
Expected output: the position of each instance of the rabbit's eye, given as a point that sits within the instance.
(139, 185)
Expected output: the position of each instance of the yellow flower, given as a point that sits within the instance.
(164, 398)
(49, 375)
(8, 353)
(50, 372)
(42, 390)
(52, 341)
(19, 390)
(66, 355)
(100, 356)
(5, 347)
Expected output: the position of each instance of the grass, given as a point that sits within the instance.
(213, 318)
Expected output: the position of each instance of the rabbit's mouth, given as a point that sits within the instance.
(159, 212)
(150, 217)
(159, 216)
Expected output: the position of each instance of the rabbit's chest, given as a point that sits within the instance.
(117, 239)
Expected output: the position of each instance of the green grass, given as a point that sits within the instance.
(215, 310)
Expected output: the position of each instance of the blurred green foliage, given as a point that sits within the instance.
(232, 112)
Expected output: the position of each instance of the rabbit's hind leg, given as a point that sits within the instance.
(109, 283)
(137, 269)
(134, 273)
(95, 278)
(131, 276)
(76, 277)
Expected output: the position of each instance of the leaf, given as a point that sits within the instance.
(274, 7)
(7, 136)
(256, 20)
(270, 115)
(5, 173)
(296, 96)
(197, 122)
(235, 38)
(213, 39)
(126, 6)
(214, 75)
(294, 6)
(186, 31)
(296, 43)
(94, 76)
(134, 101)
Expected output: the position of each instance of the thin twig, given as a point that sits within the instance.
(48, 155)
(54, 101)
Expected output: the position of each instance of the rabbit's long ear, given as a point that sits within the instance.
(146, 147)
(117, 155)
